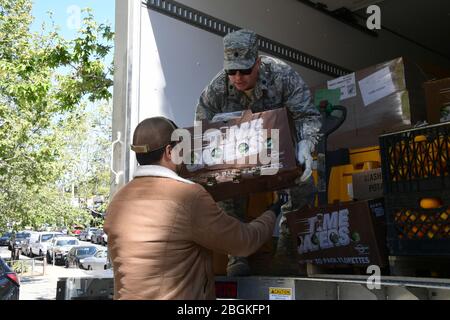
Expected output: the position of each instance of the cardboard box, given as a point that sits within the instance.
(220, 262)
(346, 234)
(383, 98)
(368, 185)
(241, 156)
(438, 100)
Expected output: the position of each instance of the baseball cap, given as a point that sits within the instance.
(152, 134)
(240, 49)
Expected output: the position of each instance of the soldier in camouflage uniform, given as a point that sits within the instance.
(261, 83)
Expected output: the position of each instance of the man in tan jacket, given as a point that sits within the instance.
(162, 229)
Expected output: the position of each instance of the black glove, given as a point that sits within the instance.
(283, 197)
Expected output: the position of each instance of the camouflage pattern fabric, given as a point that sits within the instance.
(240, 49)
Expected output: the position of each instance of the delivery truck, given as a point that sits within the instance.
(166, 53)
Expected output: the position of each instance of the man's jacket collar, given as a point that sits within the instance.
(158, 171)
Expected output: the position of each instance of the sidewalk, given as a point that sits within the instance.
(44, 287)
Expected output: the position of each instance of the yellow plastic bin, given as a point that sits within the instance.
(340, 186)
(362, 155)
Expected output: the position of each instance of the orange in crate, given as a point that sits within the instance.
(430, 203)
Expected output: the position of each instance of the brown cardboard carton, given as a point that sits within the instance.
(245, 155)
(220, 262)
(438, 100)
(346, 234)
(379, 99)
(367, 185)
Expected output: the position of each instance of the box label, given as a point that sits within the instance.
(368, 185)
(341, 234)
(280, 293)
(325, 231)
(377, 86)
(347, 85)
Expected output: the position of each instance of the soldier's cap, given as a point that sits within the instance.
(240, 50)
(152, 134)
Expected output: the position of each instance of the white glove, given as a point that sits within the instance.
(311, 129)
(305, 148)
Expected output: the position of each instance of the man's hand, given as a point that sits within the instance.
(305, 148)
(283, 197)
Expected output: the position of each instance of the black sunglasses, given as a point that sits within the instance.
(245, 72)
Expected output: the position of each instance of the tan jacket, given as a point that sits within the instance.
(161, 234)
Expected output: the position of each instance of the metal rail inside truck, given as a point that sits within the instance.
(166, 53)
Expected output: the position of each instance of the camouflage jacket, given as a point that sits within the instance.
(278, 85)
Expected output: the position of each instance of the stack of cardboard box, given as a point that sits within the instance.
(438, 100)
(383, 98)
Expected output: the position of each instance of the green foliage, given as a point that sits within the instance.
(20, 267)
(46, 83)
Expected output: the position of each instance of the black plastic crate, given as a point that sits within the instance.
(416, 160)
(413, 230)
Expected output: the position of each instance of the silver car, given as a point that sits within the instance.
(86, 234)
(59, 249)
(99, 261)
(100, 237)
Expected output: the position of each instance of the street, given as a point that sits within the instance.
(43, 287)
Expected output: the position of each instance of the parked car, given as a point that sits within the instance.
(76, 230)
(59, 247)
(99, 237)
(4, 239)
(25, 244)
(104, 239)
(87, 233)
(17, 238)
(99, 261)
(9, 282)
(79, 252)
(40, 241)
(25, 248)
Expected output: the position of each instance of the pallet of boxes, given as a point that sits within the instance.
(248, 155)
(349, 234)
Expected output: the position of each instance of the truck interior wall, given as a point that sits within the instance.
(297, 25)
(177, 62)
(190, 57)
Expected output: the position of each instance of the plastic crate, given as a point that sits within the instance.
(416, 160)
(414, 230)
